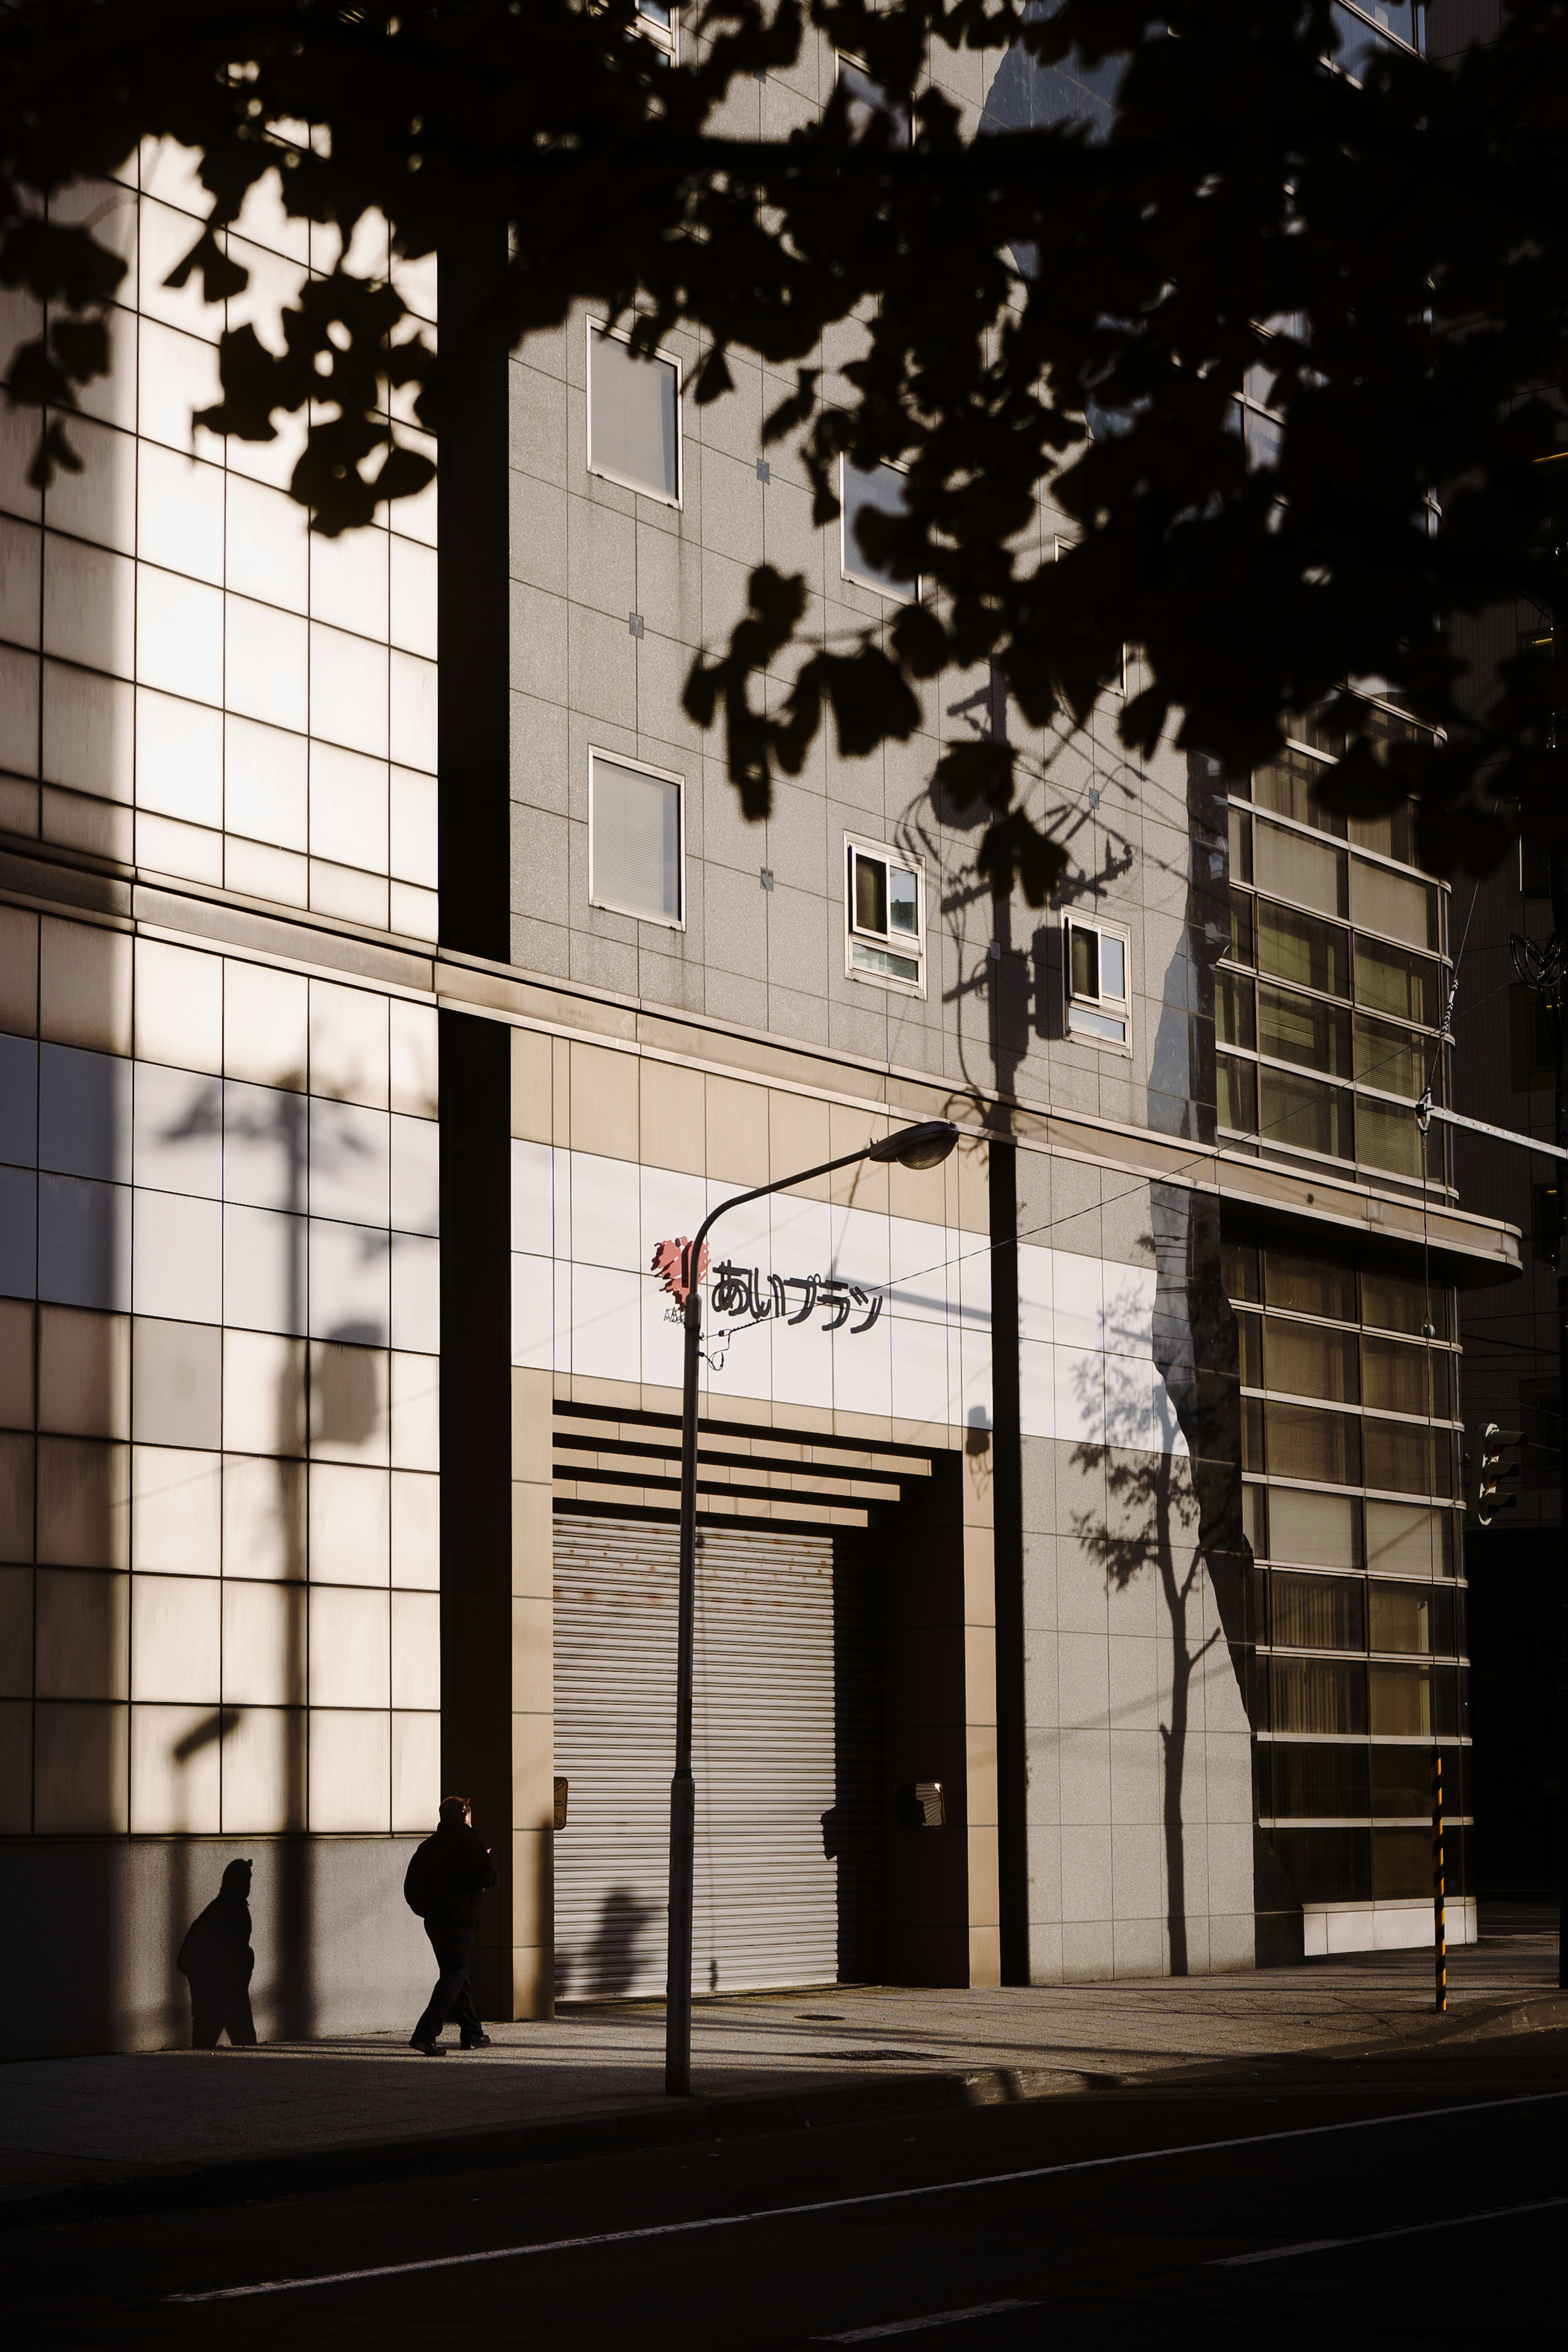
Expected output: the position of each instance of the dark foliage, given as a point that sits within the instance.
(1400, 236)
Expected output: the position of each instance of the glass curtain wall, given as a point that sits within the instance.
(1329, 1002)
(1356, 1663)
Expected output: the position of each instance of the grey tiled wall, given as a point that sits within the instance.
(586, 554)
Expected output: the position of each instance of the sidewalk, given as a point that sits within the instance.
(122, 2133)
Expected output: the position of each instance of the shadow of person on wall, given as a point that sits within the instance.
(217, 1960)
(613, 1960)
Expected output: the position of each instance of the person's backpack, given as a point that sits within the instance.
(421, 1885)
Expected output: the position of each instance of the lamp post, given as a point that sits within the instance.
(925, 1146)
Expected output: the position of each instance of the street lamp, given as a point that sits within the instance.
(925, 1146)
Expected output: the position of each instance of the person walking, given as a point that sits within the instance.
(447, 1876)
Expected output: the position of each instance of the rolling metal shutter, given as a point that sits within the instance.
(763, 1756)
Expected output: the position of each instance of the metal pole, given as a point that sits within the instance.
(1553, 1007)
(682, 1789)
(1439, 1923)
(936, 1137)
(1562, 1576)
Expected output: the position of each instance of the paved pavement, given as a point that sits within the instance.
(111, 2121)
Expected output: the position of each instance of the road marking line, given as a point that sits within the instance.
(841, 2204)
(931, 2319)
(1374, 2237)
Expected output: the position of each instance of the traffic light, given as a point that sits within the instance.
(1494, 1472)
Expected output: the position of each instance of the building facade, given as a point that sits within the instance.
(1078, 1585)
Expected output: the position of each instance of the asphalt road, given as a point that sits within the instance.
(1414, 2204)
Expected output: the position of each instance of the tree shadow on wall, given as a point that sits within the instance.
(1150, 1525)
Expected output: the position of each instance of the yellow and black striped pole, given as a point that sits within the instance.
(1439, 1925)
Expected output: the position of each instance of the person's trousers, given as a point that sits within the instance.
(453, 1949)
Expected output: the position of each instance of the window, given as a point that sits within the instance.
(1099, 1002)
(634, 416)
(868, 103)
(884, 916)
(662, 26)
(636, 849)
(880, 488)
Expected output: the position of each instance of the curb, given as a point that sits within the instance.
(433, 2155)
(1485, 2021)
(235, 2179)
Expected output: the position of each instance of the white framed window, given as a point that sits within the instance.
(885, 488)
(634, 416)
(662, 26)
(1096, 967)
(884, 916)
(867, 100)
(636, 839)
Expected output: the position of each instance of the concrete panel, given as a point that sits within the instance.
(337, 1949)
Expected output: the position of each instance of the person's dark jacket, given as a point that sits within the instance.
(450, 1873)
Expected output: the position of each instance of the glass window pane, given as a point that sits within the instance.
(1288, 866)
(1401, 1782)
(1399, 1454)
(1307, 1445)
(1295, 947)
(1303, 1114)
(1304, 1029)
(903, 900)
(1306, 1360)
(1238, 1268)
(1388, 1138)
(881, 489)
(1319, 1780)
(882, 960)
(1396, 1060)
(1397, 1302)
(1250, 1339)
(1392, 981)
(1113, 968)
(870, 894)
(1320, 1694)
(1085, 964)
(1402, 1618)
(1309, 1285)
(1287, 784)
(1241, 831)
(1240, 926)
(1090, 1024)
(1405, 1540)
(635, 418)
(1314, 1530)
(1251, 1433)
(1236, 1085)
(636, 842)
(1264, 439)
(1395, 903)
(1316, 1613)
(1326, 1865)
(1393, 835)
(1401, 1863)
(1395, 1376)
(1400, 1701)
(1233, 1014)
(1254, 1520)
